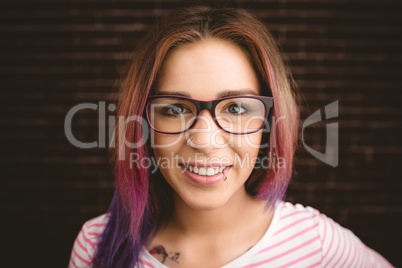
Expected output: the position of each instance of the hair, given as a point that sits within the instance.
(142, 202)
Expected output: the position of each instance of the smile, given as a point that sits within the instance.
(203, 171)
(205, 174)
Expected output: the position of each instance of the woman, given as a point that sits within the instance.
(219, 109)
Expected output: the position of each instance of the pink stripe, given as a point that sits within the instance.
(293, 213)
(79, 257)
(296, 222)
(96, 225)
(315, 264)
(72, 261)
(93, 245)
(367, 252)
(85, 249)
(324, 235)
(147, 263)
(287, 239)
(81, 245)
(284, 253)
(341, 238)
(325, 232)
(301, 258)
(360, 257)
(94, 234)
(354, 253)
(337, 247)
(330, 244)
(347, 243)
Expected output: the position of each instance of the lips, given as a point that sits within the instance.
(205, 174)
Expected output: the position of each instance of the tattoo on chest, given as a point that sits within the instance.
(159, 253)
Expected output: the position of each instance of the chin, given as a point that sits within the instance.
(204, 203)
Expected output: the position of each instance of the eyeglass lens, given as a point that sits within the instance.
(235, 115)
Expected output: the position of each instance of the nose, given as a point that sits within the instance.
(206, 134)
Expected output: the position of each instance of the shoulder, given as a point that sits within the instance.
(292, 211)
(338, 246)
(294, 218)
(87, 241)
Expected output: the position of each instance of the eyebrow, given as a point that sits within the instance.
(226, 93)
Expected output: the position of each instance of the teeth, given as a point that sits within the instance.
(202, 171)
(210, 171)
(206, 171)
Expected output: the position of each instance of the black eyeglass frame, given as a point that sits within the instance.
(211, 105)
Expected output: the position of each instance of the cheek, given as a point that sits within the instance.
(247, 144)
(166, 146)
(159, 140)
(246, 151)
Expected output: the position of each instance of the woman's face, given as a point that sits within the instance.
(207, 70)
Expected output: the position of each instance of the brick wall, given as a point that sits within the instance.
(55, 55)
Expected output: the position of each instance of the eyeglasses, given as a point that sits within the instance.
(243, 114)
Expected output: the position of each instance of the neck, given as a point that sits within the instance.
(233, 216)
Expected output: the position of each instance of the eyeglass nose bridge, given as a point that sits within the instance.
(208, 105)
(205, 105)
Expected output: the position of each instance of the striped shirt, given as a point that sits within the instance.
(297, 237)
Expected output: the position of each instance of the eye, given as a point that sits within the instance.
(174, 110)
(236, 109)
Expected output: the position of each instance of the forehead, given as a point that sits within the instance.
(207, 69)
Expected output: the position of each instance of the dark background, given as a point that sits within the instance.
(57, 54)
